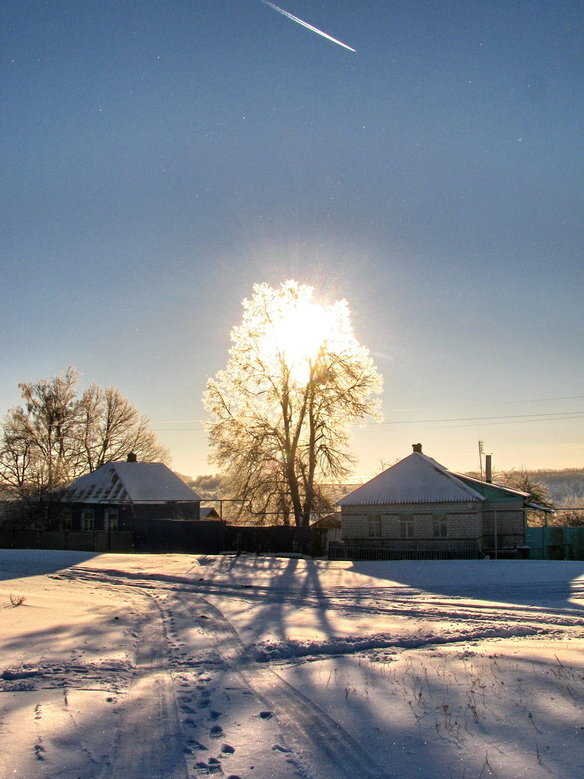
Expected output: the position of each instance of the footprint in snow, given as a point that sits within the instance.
(266, 714)
(227, 749)
(197, 745)
(215, 714)
(280, 748)
(216, 731)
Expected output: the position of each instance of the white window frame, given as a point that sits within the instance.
(111, 519)
(406, 526)
(440, 526)
(88, 520)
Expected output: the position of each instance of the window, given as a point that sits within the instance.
(375, 527)
(440, 526)
(66, 519)
(110, 521)
(87, 520)
(406, 526)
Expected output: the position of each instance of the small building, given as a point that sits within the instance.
(418, 508)
(130, 495)
(209, 512)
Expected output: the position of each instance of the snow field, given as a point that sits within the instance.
(183, 666)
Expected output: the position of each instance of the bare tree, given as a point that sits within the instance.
(110, 427)
(281, 410)
(56, 436)
(522, 480)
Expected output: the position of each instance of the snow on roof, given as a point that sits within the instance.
(415, 479)
(129, 482)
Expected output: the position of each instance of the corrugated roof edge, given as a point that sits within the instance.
(492, 484)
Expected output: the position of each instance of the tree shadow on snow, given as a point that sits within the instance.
(21, 563)
(542, 584)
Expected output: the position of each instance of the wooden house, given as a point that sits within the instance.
(122, 496)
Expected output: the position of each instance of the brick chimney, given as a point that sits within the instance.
(488, 469)
(417, 448)
(132, 457)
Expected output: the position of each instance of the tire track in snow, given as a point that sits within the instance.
(310, 733)
(149, 739)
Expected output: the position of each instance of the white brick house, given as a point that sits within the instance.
(419, 507)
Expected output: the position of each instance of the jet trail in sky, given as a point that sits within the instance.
(305, 24)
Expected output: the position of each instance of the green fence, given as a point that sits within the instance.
(555, 543)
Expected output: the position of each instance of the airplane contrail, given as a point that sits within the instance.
(305, 24)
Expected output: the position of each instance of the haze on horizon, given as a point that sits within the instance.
(159, 158)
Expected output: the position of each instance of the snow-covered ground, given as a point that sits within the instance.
(183, 666)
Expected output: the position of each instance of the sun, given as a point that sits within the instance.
(298, 331)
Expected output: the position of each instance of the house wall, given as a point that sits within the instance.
(463, 522)
(507, 518)
(471, 523)
(68, 516)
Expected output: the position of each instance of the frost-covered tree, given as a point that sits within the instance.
(56, 435)
(281, 410)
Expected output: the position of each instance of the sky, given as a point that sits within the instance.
(159, 158)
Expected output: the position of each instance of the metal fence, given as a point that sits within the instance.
(555, 543)
(342, 552)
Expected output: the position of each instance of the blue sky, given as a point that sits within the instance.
(158, 158)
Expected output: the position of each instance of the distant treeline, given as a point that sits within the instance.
(566, 486)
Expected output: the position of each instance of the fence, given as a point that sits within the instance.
(342, 552)
(555, 543)
(157, 536)
(172, 536)
(276, 539)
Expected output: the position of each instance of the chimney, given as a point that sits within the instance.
(488, 471)
(132, 457)
(417, 448)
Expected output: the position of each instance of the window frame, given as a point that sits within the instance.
(406, 526)
(88, 520)
(440, 525)
(374, 526)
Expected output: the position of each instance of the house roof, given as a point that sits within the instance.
(481, 486)
(330, 521)
(415, 479)
(129, 482)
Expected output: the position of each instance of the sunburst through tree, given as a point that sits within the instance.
(281, 410)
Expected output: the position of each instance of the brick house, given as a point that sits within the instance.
(419, 508)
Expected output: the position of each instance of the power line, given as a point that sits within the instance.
(554, 416)
(533, 417)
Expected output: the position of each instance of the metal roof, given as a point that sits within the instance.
(491, 485)
(415, 479)
(129, 482)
